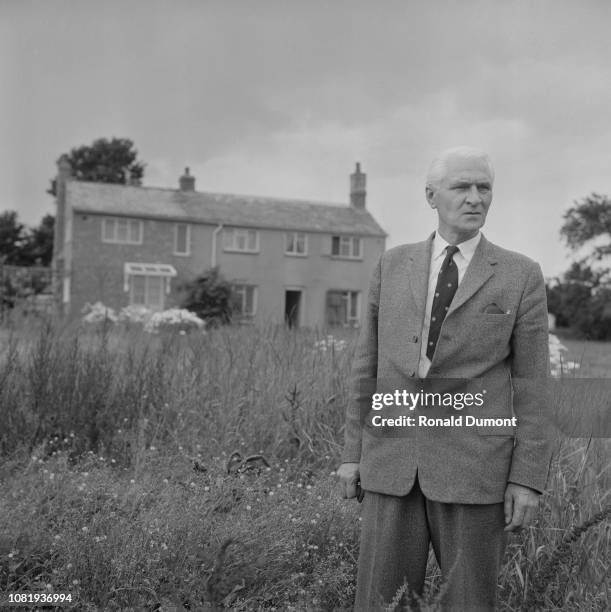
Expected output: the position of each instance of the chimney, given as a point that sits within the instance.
(60, 263)
(358, 190)
(64, 173)
(186, 181)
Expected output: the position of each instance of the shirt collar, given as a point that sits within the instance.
(467, 248)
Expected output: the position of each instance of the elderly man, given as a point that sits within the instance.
(454, 307)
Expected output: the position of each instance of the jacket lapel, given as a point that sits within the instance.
(480, 269)
(418, 274)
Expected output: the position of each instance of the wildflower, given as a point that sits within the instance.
(177, 318)
(135, 314)
(206, 488)
(85, 529)
(248, 508)
(98, 313)
(75, 582)
(132, 481)
(270, 493)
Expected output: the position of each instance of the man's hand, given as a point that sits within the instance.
(349, 475)
(520, 506)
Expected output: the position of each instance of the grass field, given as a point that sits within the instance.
(195, 472)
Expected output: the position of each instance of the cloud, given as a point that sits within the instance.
(282, 98)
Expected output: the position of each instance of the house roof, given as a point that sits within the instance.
(228, 209)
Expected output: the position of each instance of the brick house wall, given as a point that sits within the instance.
(98, 267)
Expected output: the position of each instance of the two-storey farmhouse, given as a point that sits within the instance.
(305, 262)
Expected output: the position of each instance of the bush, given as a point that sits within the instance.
(210, 297)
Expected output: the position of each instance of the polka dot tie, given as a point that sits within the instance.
(447, 282)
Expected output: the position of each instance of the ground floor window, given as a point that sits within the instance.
(343, 308)
(147, 291)
(148, 284)
(245, 303)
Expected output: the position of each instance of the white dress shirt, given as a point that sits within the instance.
(438, 253)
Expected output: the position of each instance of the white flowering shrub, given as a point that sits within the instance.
(174, 319)
(98, 313)
(557, 355)
(135, 314)
(330, 343)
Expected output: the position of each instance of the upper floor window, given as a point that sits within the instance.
(346, 246)
(121, 230)
(182, 239)
(295, 243)
(246, 300)
(238, 239)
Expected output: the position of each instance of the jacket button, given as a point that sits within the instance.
(414, 338)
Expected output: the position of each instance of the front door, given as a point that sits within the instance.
(292, 305)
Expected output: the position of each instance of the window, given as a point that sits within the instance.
(244, 240)
(295, 243)
(147, 284)
(182, 239)
(346, 246)
(122, 231)
(147, 291)
(246, 300)
(343, 308)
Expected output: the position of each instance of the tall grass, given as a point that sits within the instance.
(193, 472)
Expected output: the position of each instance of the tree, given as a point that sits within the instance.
(12, 237)
(104, 161)
(581, 300)
(587, 220)
(37, 248)
(210, 297)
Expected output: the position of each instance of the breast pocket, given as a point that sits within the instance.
(500, 320)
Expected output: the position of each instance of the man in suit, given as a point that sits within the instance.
(454, 307)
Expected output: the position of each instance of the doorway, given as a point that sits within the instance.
(292, 307)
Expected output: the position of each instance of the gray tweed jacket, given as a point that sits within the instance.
(495, 335)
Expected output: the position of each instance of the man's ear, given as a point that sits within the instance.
(429, 196)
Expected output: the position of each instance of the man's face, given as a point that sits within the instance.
(461, 198)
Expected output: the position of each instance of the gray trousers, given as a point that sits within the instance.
(468, 541)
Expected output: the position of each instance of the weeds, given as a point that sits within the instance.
(194, 472)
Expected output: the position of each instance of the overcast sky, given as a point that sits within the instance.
(281, 98)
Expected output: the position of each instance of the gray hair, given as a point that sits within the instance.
(439, 165)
